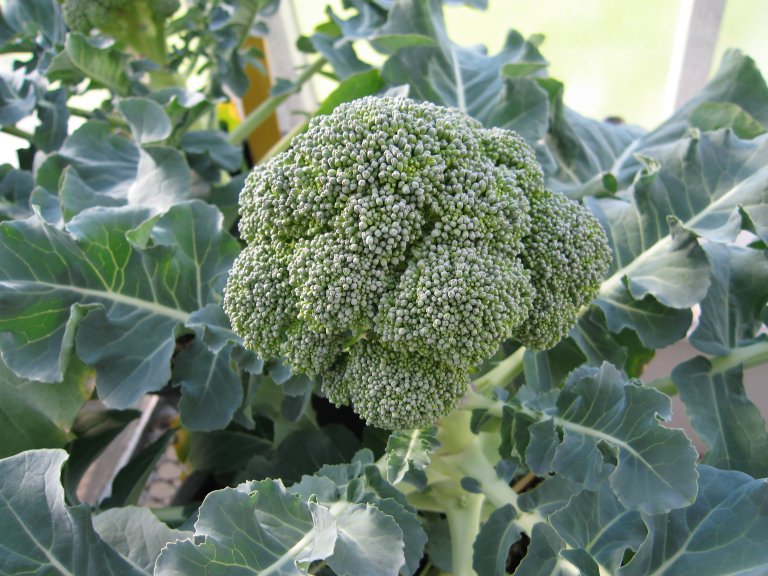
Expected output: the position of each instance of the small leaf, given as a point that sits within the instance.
(719, 115)
(598, 524)
(106, 66)
(147, 119)
(409, 452)
(492, 544)
(258, 527)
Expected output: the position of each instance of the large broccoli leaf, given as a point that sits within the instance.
(118, 288)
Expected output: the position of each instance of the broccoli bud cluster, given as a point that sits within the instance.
(395, 245)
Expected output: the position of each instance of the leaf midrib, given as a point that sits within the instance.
(116, 297)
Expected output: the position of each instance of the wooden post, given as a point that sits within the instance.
(697, 30)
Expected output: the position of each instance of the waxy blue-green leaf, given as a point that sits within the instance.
(580, 152)
(256, 528)
(107, 67)
(211, 390)
(123, 284)
(136, 534)
(656, 465)
(41, 534)
(723, 532)
(699, 186)
(463, 77)
(730, 312)
(361, 483)
(718, 115)
(542, 557)
(491, 547)
(17, 97)
(721, 413)
(15, 191)
(598, 524)
(37, 415)
(147, 119)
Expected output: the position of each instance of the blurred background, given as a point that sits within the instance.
(614, 57)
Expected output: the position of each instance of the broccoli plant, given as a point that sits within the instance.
(420, 345)
(396, 245)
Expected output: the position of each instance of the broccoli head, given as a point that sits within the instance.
(395, 245)
(139, 24)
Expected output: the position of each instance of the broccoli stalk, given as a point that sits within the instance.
(139, 24)
(395, 246)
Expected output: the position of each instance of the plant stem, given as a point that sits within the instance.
(502, 374)
(13, 131)
(747, 356)
(266, 108)
(464, 525)
(522, 484)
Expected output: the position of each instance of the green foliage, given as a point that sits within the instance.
(420, 237)
(390, 290)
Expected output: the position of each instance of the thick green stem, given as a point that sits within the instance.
(747, 356)
(266, 108)
(464, 524)
(502, 374)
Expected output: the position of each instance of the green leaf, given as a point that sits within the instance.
(28, 17)
(40, 415)
(492, 544)
(105, 66)
(147, 119)
(258, 527)
(730, 312)
(17, 97)
(408, 454)
(211, 390)
(105, 162)
(138, 281)
(723, 532)
(542, 557)
(54, 120)
(303, 452)
(136, 534)
(163, 179)
(656, 465)
(737, 81)
(41, 534)
(699, 186)
(361, 483)
(729, 423)
(352, 88)
(598, 524)
(718, 115)
(15, 191)
(463, 77)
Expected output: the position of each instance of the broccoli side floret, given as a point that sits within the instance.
(395, 246)
(139, 24)
(568, 255)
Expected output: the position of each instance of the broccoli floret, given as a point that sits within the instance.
(139, 24)
(401, 390)
(395, 246)
(568, 255)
